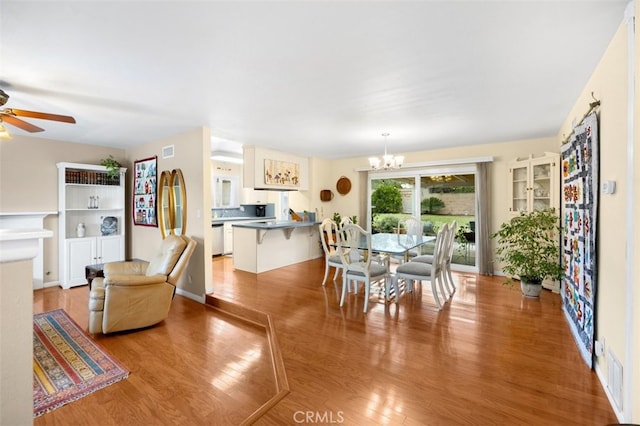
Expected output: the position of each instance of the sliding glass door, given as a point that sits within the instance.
(437, 196)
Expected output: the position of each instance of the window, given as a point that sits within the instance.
(437, 196)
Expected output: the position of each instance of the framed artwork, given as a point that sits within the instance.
(145, 180)
(281, 173)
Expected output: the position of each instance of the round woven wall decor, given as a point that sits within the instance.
(344, 185)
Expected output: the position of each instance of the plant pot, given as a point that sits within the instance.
(530, 290)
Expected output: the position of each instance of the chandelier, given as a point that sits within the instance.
(388, 160)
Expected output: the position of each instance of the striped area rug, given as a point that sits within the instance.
(67, 363)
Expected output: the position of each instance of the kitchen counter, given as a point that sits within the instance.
(222, 220)
(270, 244)
(276, 224)
(286, 225)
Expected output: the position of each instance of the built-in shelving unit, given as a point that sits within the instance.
(91, 206)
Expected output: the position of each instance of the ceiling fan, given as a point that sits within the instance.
(10, 116)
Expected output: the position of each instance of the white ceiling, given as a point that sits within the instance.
(314, 78)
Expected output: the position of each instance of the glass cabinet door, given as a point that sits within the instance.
(519, 188)
(534, 184)
(541, 190)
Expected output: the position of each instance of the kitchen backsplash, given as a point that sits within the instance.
(245, 210)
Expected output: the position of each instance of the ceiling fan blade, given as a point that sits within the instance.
(41, 115)
(10, 119)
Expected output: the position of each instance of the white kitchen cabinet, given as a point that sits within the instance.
(228, 237)
(252, 196)
(534, 183)
(91, 208)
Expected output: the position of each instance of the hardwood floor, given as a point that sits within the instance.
(489, 357)
(196, 368)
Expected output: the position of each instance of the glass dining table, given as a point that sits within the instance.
(396, 244)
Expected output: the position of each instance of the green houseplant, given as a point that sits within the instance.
(528, 247)
(112, 165)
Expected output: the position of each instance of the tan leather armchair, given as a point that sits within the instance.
(136, 294)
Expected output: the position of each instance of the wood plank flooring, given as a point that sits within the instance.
(490, 357)
(198, 367)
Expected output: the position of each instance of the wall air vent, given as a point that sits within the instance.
(167, 151)
(614, 379)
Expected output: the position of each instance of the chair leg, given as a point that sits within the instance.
(326, 273)
(345, 283)
(435, 293)
(449, 291)
(445, 294)
(388, 282)
(453, 284)
(412, 285)
(367, 286)
(336, 274)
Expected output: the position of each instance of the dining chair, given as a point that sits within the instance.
(453, 228)
(411, 226)
(328, 235)
(345, 220)
(414, 271)
(448, 248)
(354, 248)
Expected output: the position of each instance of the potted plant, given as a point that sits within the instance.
(528, 247)
(112, 165)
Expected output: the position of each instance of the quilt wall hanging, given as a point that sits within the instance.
(144, 192)
(580, 162)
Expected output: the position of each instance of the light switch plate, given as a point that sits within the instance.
(609, 187)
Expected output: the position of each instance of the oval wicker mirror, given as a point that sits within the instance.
(179, 202)
(164, 203)
(172, 202)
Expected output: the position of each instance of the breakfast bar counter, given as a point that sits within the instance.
(263, 246)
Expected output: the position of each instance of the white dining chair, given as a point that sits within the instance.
(413, 271)
(328, 235)
(448, 248)
(453, 228)
(412, 227)
(354, 248)
(346, 220)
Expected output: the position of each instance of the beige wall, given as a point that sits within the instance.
(609, 84)
(29, 181)
(192, 157)
(503, 153)
(635, 260)
(16, 348)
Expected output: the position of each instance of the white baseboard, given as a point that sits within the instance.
(188, 295)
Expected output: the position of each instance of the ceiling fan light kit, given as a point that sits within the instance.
(3, 133)
(10, 116)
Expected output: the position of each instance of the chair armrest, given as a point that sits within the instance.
(134, 280)
(125, 268)
(382, 258)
